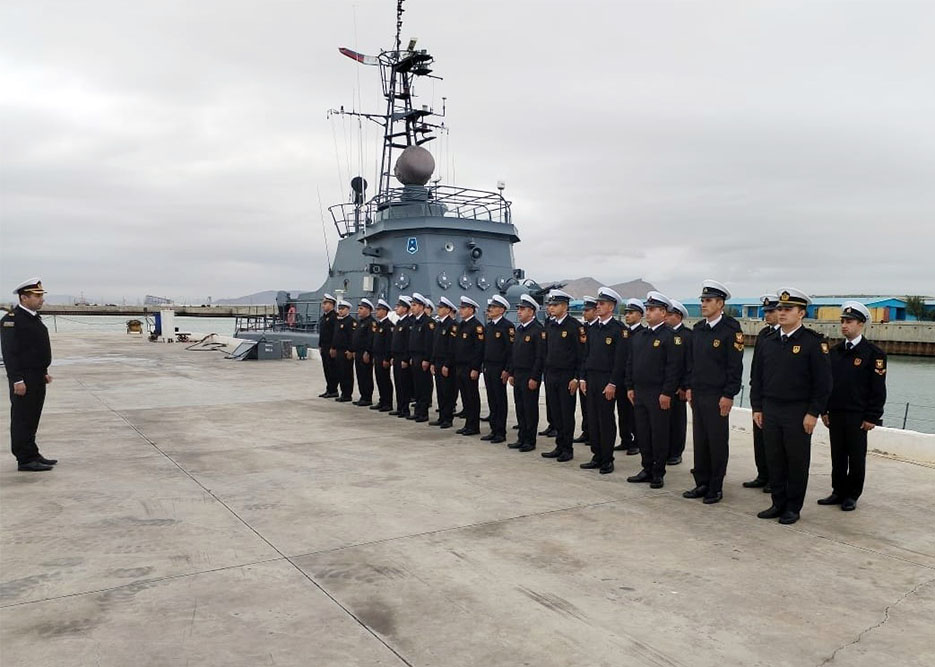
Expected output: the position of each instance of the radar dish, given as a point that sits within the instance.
(414, 166)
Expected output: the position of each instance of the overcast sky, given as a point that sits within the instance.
(178, 148)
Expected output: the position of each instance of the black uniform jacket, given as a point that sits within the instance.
(326, 330)
(399, 347)
(859, 380)
(499, 344)
(717, 357)
(528, 355)
(421, 336)
(446, 331)
(344, 333)
(797, 371)
(655, 362)
(603, 340)
(25, 344)
(566, 344)
(469, 344)
(382, 339)
(364, 335)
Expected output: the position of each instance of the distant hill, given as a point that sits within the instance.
(579, 287)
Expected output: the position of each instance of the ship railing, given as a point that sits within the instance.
(296, 316)
(438, 200)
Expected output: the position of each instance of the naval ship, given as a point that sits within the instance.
(415, 234)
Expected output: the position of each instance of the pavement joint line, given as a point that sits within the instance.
(880, 623)
(152, 444)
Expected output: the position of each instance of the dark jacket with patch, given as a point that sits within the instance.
(344, 333)
(469, 344)
(326, 330)
(717, 358)
(446, 332)
(499, 344)
(859, 380)
(655, 363)
(565, 346)
(24, 341)
(795, 371)
(364, 334)
(528, 355)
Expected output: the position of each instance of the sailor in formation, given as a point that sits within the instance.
(588, 317)
(325, 338)
(659, 367)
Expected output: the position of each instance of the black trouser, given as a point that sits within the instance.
(625, 419)
(652, 430)
(328, 365)
(788, 452)
(678, 425)
(345, 369)
(848, 453)
(384, 382)
(496, 398)
(585, 422)
(549, 419)
(402, 377)
(364, 377)
(422, 384)
(710, 434)
(25, 412)
(759, 454)
(603, 426)
(526, 402)
(470, 398)
(563, 406)
(446, 388)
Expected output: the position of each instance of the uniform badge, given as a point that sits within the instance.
(527, 339)
(879, 363)
(858, 361)
(464, 335)
(824, 347)
(880, 367)
(738, 347)
(657, 343)
(716, 342)
(480, 329)
(543, 335)
(678, 340)
(9, 324)
(431, 326)
(564, 334)
(626, 333)
(608, 340)
(497, 335)
(374, 326)
(796, 349)
(738, 336)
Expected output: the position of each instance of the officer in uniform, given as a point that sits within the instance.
(565, 347)
(421, 337)
(399, 347)
(771, 316)
(498, 347)
(716, 375)
(789, 390)
(27, 355)
(589, 316)
(601, 375)
(679, 419)
(652, 378)
(549, 431)
(382, 356)
(342, 350)
(525, 372)
(858, 368)
(443, 364)
(633, 313)
(363, 351)
(469, 360)
(325, 339)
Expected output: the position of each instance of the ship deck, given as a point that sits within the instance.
(212, 512)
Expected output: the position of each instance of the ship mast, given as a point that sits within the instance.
(403, 124)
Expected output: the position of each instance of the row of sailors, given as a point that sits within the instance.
(647, 373)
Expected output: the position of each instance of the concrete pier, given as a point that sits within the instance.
(212, 512)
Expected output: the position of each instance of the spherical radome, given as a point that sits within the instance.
(414, 166)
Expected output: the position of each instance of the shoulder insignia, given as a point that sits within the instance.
(511, 331)
(657, 343)
(738, 336)
(858, 361)
(373, 326)
(880, 363)
(480, 329)
(678, 340)
(824, 347)
(738, 347)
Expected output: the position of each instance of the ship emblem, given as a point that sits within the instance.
(412, 245)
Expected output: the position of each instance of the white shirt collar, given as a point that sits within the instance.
(634, 327)
(657, 326)
(496, 319)
(559, 321)
(468, 319)
(854, 342)
(777, 327)
(31, 312)
(609, 318)
(713, 323)
(677, 327)
(791, 332)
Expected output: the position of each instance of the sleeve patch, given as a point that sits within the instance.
(9, 324)
(480, 329)
(738, 336)
(824, 347)
(738, 347)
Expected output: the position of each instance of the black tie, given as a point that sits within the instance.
(848, 345)
(784, 338)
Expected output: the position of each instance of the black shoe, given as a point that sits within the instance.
(343, 399)
(527, 448)
(564, 457)
(788, 518)
(593, 464)
(46, 462)
(445, 425)
(772, 513)
(497, 439)
(581, 438)
(833, 499)
(461, 430)
(387, 408)
(620, 448)
(674, 461)
(515, 445)
(716, 497)
(554, 454)
(848, 505)
(394, 413)
(657, 483)
(410, 417)
(421, 420)
(553, 433)
(324, 394)
(470, 431)
(33, 466)
(404, 415)
(607, 468)
(767, 488)
(755, 483)
(633, 451)
(488, 437)
(376, 407)
(697, 492)
(364, 404)
(515, 427)
(641, 476)
(460, 415)
(544, 431)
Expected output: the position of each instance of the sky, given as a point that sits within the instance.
(183, 149)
